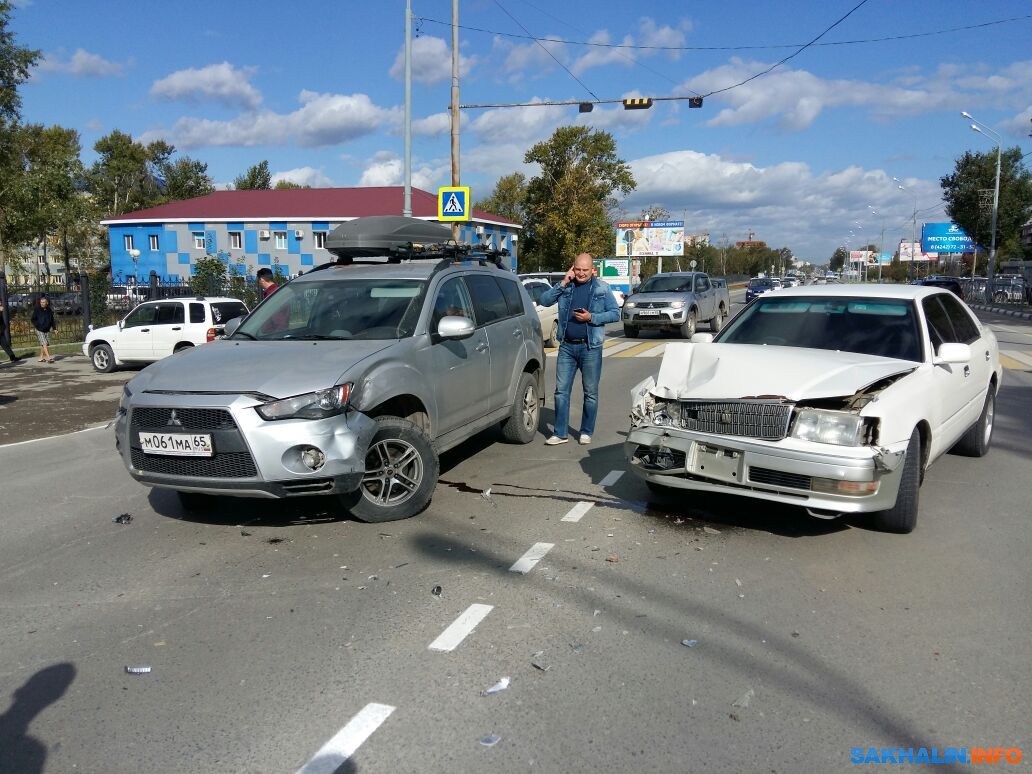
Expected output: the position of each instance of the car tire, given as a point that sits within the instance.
(902, 517)
(182, 346)
(975, 442)
(522, 423)
(553, 335)
(397, 446)
(630, 331)
(196, 502)
(688, 328)
(718, 320)
(103, 358)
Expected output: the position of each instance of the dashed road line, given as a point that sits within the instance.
(345, 742)
(536, 553)
(577, 512)
(612, 478)
(453, 636)
(1012, 363)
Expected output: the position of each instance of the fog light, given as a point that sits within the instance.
(849, 488)
(312, 458)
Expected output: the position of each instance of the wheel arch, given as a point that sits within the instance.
(405, 406)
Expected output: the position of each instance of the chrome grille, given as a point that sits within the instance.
(224, 465)
(778, 478)
(767, 420)
(652, 304)
(188, 418)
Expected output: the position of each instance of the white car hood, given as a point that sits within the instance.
(735, 371)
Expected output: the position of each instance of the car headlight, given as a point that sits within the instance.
(311, 405)
(665, 413)
(629, 305)
(677, 304)
(834, 427)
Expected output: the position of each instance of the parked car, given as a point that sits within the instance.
(834, 398)
(348, 380)
(552, 277)
(947, 283)
(157, 329)
(19, 302)
(125, 297)
(757, 287)
(547, 315)
(67, 303)
(675, 301)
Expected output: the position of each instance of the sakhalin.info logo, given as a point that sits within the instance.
(972, 755)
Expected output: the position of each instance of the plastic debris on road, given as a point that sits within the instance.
(137, 670)
(613, 558)
(538, 665)
(436, 591)
(125, 518)
(490, 740)
(689, 643)
(498, 687)
(744, 699)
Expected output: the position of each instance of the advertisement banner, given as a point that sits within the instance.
(910, 251)
(945, 238)
(861, 256)
(884, 258)
(615, 271)
(648, 238)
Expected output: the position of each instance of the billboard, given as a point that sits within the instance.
(615, 271)
(861, 256)
(645, 238)
(910, 251)
(945, 238)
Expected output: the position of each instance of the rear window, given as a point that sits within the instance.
(760, 283)
(224, 311)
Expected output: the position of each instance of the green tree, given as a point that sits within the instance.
(289, 185)
(184, 178)
(209, 276)
(569, 204)
(257, 177)
(126, 176)
(974, 172)
(508, 199)
(838, 259)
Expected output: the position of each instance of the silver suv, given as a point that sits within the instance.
(348, 380)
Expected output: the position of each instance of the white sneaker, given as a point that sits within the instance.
(585, 439)
(555, 440)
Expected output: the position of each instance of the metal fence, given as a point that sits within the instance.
(1007, 290)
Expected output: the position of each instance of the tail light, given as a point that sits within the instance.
(211, 335)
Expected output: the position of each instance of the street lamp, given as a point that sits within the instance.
(881, 240)
(981, 128)
(913, 232)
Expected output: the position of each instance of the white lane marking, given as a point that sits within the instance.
(656, 351)
(612, 478)
(622, 345)
(536, 553)
(51, 437)
(343, 744)
(577, 512)
(460, 629)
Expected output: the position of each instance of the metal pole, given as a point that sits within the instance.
(991, 268)
(407, 207)
(455, 106)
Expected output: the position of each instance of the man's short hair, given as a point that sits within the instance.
(265, 273)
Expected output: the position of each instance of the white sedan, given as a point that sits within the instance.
(833, 398)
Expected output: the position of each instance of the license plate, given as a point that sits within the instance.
(649, 313)
(714, 462)
(177, 444)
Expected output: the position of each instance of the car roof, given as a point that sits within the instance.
(867, 291)
(416, 270)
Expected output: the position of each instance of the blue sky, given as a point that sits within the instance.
(800, 156)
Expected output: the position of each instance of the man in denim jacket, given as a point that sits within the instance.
(586, 305)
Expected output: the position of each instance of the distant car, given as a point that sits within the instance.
(552, 277)
(943, 282)
(157, 329)
(757, 287)
(67, 303)
(675, 301)
(548, 315)
(124, 297)
(19, 301)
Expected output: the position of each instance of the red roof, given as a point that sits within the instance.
(298, 204)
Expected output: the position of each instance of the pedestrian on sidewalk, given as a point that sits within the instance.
(5, 336)
(586, 305)
(45, 324)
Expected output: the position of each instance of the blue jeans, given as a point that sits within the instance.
(589, 361)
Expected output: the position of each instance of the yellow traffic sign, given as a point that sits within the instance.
(453, 203)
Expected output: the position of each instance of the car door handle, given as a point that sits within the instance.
(177, 328)
(481, 347)
(144, 330)
(967, 371)
(987, 356)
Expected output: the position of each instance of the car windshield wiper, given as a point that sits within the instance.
(318, 337)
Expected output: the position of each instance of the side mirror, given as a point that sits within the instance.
(953, 353)
(232, 325)
(121, 324)
(455, 327)
(701, 338)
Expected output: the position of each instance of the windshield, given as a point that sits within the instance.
(658, 283)
(760, 283)
(882, 327)
(336, 309)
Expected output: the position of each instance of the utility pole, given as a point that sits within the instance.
(407, 206)
(455, 107)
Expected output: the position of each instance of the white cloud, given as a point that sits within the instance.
(322, 119)
(431, 61)
(521, 124)
(599, 56)
(81, 64)
(386, 169)
(651, 34)
(303, 176)
(1020, 124)
(220, 83)
(438, 123)
(518, 57)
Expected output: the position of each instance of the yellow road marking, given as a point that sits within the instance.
(1012, 364)
(632, 351)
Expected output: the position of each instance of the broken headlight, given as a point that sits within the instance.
(311, 405)
(834, 427)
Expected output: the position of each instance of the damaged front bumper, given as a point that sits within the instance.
(823, 478)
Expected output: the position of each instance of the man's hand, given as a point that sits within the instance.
(568, 278)
(582, 315)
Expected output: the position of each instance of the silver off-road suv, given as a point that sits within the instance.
(348, 380)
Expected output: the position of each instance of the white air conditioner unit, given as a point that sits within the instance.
(298, 234)
(264, 235)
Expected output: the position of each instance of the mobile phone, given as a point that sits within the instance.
(580, 310)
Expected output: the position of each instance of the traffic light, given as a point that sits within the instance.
(586, 107)
(637, 103)
(695, 102)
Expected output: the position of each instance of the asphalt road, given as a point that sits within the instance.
(274, 629)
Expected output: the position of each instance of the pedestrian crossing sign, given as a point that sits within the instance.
(453, 203)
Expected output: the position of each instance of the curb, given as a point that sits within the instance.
(999, 310)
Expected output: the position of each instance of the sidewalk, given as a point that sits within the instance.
(43, 399)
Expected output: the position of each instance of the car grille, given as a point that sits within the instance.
(188, 419)
(778, 478)
(652, 305)
(748, 419)
(225, 465)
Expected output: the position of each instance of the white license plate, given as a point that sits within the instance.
(177, 444)
(648, 313)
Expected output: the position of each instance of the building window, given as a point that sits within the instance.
(198, 240)
(235, 240)
(128, 239)
(281, 240)
(154, 242)
(320, 239)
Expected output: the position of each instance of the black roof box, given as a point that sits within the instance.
(380, 235)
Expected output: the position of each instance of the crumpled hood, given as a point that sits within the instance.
(279, 369)
(735, 371)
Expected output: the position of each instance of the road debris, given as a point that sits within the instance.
(577, 649)
(738, 583)
(125, 518)
(597, 613)
(596, 629)
(711, 531)
(137, 670)
(436, 591)
(490, 740)
(274, 540)
(795, 634)
(244, 533)
(689, 643)
(613, 558)
(498, 687)
(539, 665)
(743, 701)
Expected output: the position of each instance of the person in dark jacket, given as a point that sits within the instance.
(45, 324)
(5, 337)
